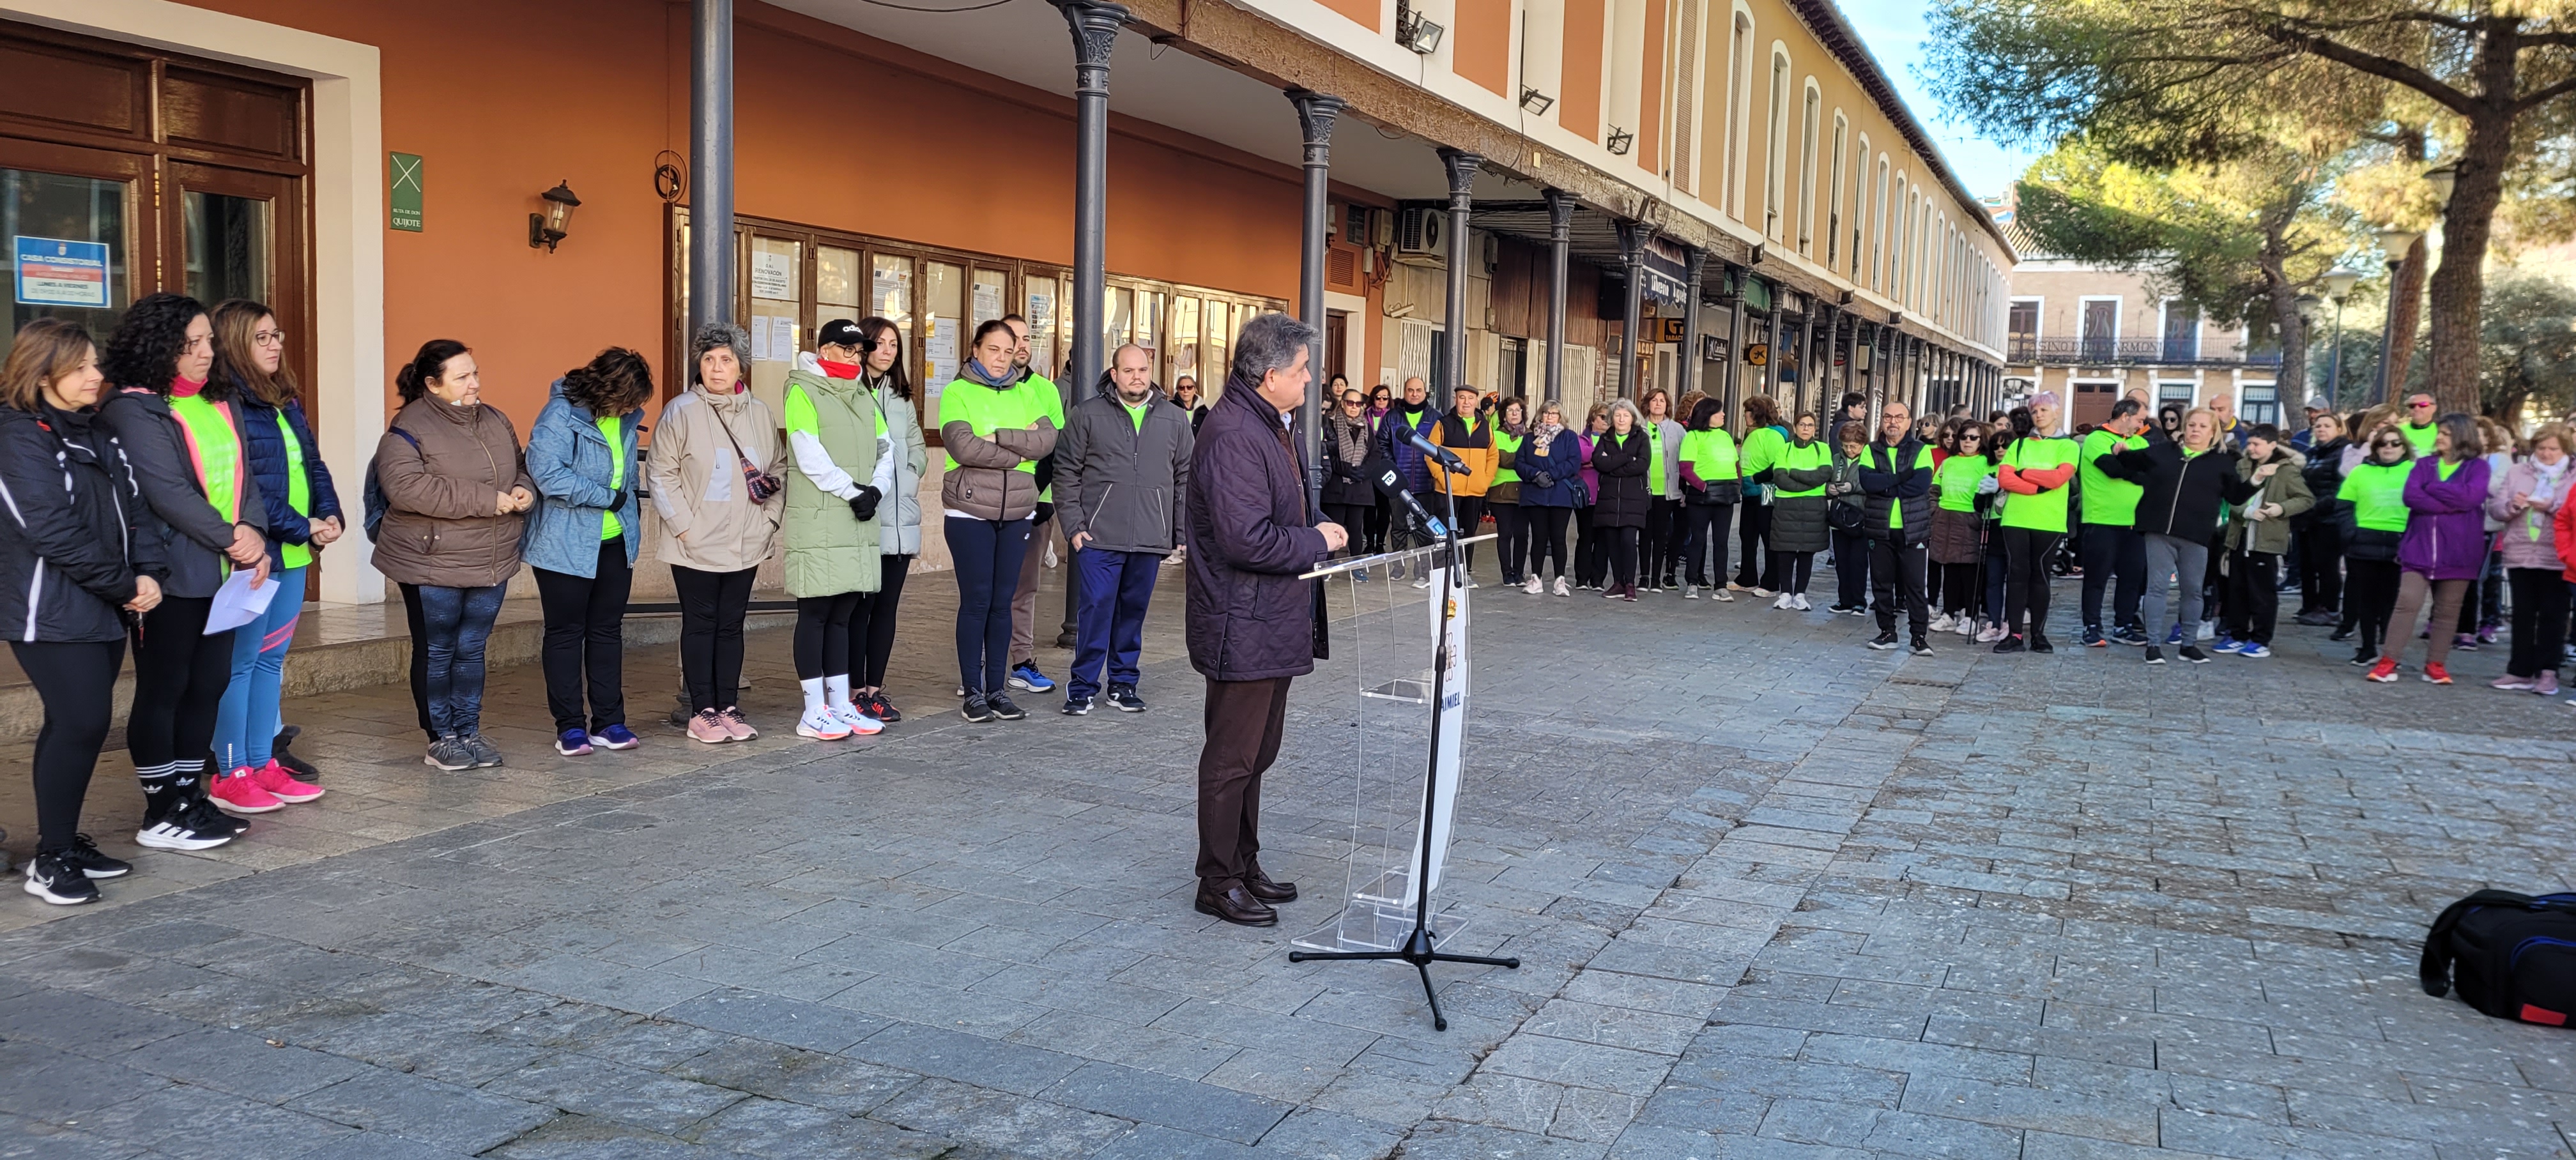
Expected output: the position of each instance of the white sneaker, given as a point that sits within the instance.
(1425, 582)
(1473, 583)
(2208, 630)
(1690, 591)
(1943, 623)
(859, 724)
(1967, 626)
(1721, 594)
(1800, 603)
(1782, 602)
(1990, 634)
(1562, 589)
(822, 724)
(1533, 586)
(1759, 591)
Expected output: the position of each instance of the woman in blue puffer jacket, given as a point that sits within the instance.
(583, 539)
(300, 512)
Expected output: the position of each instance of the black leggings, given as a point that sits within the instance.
(1793, 570)
(1662, 538)
(1752, 531)
(1703, 532)
(418, 624)
(876, 616)
(2026, 586)
(1623, 554)
(1511, 538)
(2370, 597)
(179, 676)
(585, 642)
(1547, 538)
(823, 634)
(1958, 589)
(712, 605)
(76, 680)
(2540, 600)
(1591, 550)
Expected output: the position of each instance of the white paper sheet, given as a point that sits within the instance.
(237, 603)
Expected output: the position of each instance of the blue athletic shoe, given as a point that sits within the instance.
(616, 736)
(2226, 644)
(2132, 636)
(1026, 676)
(2254, 651)
(2093, 637)
(573, 743)
(2174, 637)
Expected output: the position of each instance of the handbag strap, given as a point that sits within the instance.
(727, 428)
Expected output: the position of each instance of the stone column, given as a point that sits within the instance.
(1315, 116)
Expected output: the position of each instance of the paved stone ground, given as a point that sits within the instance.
(1776, 896)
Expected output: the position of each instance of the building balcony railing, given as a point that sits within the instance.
(2023, 350)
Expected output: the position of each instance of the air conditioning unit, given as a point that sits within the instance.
(1422, 232)
(1381, 225)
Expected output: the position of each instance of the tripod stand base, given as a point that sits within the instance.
(1417, 951)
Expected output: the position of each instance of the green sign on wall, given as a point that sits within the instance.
(402, 173)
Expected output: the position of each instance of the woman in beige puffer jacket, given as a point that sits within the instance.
(715, 444)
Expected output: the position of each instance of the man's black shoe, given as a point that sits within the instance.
(2010, 644)
(1237, 906)
(1922, 647)
(1884, 641)
(2039, 644)
(1077, 706)
(1003, 707)
(1261, 886)
(976, 709)
(2192, 653)
(2342, 633)
(1124, 696)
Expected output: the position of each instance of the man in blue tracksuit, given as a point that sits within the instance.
(1122, 469)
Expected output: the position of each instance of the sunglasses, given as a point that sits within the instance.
(1970, 438)
(2389, 444)
(2419, 406)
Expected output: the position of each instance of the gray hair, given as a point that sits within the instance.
(1270, 342)
(719, 334)
(1636, 418)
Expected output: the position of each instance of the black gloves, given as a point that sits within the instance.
(864, 504)
(1046, 511)
(617, 500)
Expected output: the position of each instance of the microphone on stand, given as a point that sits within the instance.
(1383, 476)
(1430, 450)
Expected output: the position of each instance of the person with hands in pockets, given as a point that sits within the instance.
(844, 459)
(582, 540)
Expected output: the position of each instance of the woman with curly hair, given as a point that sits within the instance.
(182, 434)
(300, 513)
(582, 540)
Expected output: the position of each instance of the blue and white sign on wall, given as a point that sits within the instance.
(55, 272)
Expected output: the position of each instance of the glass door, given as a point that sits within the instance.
(777, 290)
(80, 233)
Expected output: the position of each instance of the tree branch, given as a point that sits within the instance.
(2374, 64)
(2544, 96)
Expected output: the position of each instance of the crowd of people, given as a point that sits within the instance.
(146, 477)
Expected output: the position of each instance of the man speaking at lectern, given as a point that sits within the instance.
(1251, 619)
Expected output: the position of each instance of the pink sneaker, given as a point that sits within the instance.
(2511, 683)
(2546, 684)
(708, 727)
(737, 725)
(239, 793)
(282, 785)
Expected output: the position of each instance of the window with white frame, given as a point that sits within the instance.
(1807, 107)
(1834, 210)
(1775, 184)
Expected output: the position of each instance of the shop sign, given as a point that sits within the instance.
(56, 272)
(1757, 354)
(402, 175)
(773, 276)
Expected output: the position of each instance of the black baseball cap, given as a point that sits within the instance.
(840, 332)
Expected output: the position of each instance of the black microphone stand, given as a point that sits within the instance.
(1417, 948)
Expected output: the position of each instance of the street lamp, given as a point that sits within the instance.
(2442, 178)
(2396, 242)
(2339, 283)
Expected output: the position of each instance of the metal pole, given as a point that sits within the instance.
(1632, 258)
(1315, 116)
(1462, 167)
(2334, 369)
(1095, 25)
(2387, 336)
(1560, 240)
(1695, 262)
(711, 163)
(1735, 348)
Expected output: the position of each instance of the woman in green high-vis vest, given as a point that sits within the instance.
(1503, 496)
(582, 540)
(182, 437)
(2372, 510)
(844, 465)
(995, 425)
(1798, 529)
(1711, 483)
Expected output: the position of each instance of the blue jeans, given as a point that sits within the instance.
(458, 621)
(987, 554)
(1110, 625)
(246, 723)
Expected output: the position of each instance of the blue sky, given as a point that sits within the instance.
(1895, 32)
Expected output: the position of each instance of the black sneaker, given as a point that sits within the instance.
(302, 769)
(84, 855)
(1001, 706)
(2342, 633)
(449, 754)
(2010, 644)
(201, 814)
(882, 709)
(486, 754)
(1922, 647)
(976, 709)
(1124, 696)
(1884, 641)
(2155, 655)
(2039, 644)
(56, 878)
(2192, 653)
(2368, 656)
(1077, 706)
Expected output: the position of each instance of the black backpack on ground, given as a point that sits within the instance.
(2513, 956)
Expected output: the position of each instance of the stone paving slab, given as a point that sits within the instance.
(1831, 904)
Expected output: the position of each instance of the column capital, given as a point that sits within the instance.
(1316, 113)
(1560, 214)
(1632, 241)
(1095, 25)
(1462, 167)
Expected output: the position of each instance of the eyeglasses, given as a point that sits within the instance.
(2426, 406)
(1971, 438)
(268, 338)
(2389, 444)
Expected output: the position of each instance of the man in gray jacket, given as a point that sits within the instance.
(1122, 467)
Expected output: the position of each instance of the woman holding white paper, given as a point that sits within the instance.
(181, 434)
